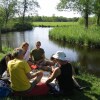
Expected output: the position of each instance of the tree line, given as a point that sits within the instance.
(50, 19)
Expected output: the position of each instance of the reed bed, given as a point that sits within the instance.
(77, 35)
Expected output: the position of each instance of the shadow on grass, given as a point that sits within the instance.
(2, 52)
(96, 96)
(77, 95)
(84, 83)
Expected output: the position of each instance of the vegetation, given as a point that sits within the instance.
(54, 24)
(52, 19)
(9, 9)
(5, 50)
(77, 35)
(24, 6)
(85, 7)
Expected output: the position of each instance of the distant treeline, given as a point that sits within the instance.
(50, 19)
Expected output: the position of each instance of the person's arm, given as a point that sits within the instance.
(55, 73)
(30, 76)
(37, 76)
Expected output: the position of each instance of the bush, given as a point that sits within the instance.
(21, 27)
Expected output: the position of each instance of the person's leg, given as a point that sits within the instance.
(76, 84)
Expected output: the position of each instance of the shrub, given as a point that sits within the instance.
(21, 27)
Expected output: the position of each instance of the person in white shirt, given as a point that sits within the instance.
(25, 47)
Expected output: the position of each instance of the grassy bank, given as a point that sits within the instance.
(77, 35)
(5, 51)
(84, 79)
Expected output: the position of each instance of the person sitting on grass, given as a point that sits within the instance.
(3, 63)
(20, 75)
(55, 64)
(25, 47)
(62, 73)
(38, 56)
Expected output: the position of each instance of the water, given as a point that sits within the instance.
(89, 59)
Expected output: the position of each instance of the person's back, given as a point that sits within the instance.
(17, 70)
(20, 75)
(62, 73)
(65, 78)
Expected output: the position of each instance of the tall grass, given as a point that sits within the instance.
(5, 51)
(77, 35)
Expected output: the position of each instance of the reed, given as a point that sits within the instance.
(77, 35)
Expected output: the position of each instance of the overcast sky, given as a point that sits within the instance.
(48, 8)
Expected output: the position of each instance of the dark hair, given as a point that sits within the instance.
(17, 52)
(10, 56)
(52, 58)
(38, 42)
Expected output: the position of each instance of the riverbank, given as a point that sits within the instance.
(84, 79)
(77, 35)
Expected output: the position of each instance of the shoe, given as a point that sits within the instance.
(82, 88)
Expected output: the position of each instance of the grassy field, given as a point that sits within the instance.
(53, 24)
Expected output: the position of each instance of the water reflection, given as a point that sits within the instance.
(88, 58)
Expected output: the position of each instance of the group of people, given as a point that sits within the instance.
(21, 62)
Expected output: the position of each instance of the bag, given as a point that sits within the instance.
(4, 89)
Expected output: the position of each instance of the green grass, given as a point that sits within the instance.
(77, 35)
(5, 50)
(53, 24)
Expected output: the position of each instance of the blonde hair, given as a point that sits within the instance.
(23, 44)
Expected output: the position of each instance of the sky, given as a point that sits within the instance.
(48, 8)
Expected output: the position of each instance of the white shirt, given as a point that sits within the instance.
(26, 56)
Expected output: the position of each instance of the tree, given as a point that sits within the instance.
(82, 6)
(1, 24)
(9, 9)
(97, 10)
(26, 7)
